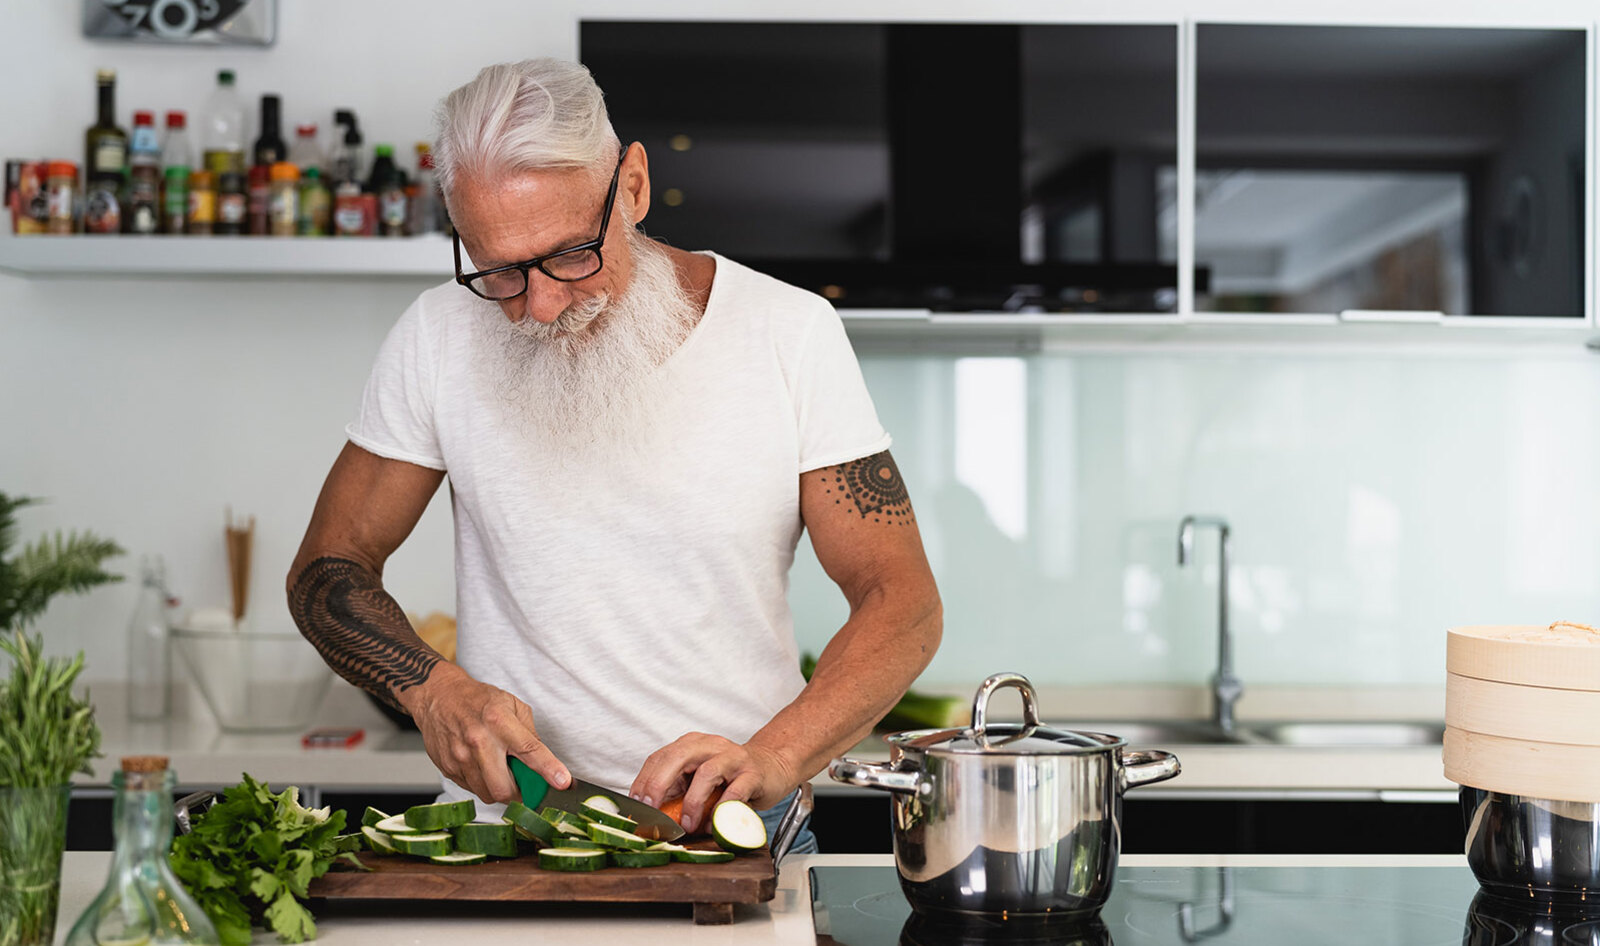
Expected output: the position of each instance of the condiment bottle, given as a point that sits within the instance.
(105, 145)
(61, 189)
(387, 185)
(348, 219)
(102, 207)
(283, 206)
(143, 902)
(223, 130)
(260, 190)
(202, 217)
(177, 160)
(142, 210)
(312, 217)
(230, 204)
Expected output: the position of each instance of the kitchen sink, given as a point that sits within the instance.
(1162, 734)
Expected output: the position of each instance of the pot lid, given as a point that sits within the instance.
(1006, 739)
(1028, 737)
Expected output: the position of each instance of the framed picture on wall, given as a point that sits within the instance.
(202, 22)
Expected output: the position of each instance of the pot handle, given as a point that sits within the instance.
(1147, 766)
(876, 775)
(986, 689)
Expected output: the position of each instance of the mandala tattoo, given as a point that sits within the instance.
(359, 629)
(873, 486)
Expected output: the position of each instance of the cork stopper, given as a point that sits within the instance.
(144, 763)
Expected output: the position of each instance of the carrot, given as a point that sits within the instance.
(673, 808)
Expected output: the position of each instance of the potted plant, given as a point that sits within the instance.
(47, 734)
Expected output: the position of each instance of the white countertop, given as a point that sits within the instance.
(388, 758)
(785, 920)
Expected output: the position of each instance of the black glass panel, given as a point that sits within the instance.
(952, 166)
(1390, 168)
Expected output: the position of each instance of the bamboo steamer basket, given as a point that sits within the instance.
(1522, 710)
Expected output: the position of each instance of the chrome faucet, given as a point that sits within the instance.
(1225, 687)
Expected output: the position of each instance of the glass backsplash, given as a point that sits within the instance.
(1374, 501)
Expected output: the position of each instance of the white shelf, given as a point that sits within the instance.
(423, 257)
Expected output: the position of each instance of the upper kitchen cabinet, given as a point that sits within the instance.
(953, 167)
(1360, 170)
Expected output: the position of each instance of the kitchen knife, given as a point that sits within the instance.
(654, 824)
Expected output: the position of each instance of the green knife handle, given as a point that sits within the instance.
(530, 783)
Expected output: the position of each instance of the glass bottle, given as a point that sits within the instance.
(105, 145)
(143, 902)
(177, 160)
(149, 645)
(314, 206)
(270, 146)
(142, 208)
(223, 133)
(306, 153)
(283, 206)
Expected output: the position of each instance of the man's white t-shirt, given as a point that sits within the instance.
(640, 593)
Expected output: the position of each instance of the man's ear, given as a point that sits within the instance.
(635, 183)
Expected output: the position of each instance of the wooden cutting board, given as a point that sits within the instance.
(713, 889)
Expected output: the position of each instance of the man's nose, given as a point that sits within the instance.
(545, 299)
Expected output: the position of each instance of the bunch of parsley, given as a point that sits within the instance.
(251, 857)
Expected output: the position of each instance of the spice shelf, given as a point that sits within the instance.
(423, 257)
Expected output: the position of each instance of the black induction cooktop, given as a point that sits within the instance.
(1224, 906)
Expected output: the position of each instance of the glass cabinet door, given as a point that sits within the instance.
(1360, 169)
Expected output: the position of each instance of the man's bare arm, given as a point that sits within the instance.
(359, 629)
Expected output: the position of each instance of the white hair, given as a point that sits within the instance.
(521, 116)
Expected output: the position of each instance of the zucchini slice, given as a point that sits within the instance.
(688, 856)
(611, 837)
(424, 845)
(601, 803)
(603, 816)
(529, 824)
(379, 842)
(395, 824)
(449, 814)
(640, 858)
(371, 817)
(495, 838)
(460, 857)
(569, 858)
(557, 816)
(737, 827)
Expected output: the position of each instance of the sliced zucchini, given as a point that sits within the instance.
(601, 803)
(396, 824)
(737, 827)
(448, 814)
(612, 818)
(666, 846)
(690, 856)
(371, 817)
(581, 843)
(611, 837)
(424, 845)
(557, 816)
(379, 842)
(460, 857)
(640, 858)
(565, 830)
(495, 838)
(529, 824)
(570, 858)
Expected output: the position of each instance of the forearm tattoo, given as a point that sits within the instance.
(359, 629)
(873, 487)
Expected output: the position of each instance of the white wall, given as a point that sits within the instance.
(143, 407)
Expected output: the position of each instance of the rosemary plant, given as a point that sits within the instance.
(47, 734)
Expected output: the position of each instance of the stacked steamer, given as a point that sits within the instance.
(1522, 738)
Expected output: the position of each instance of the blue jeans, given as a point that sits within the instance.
(805, 842)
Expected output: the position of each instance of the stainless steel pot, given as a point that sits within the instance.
(1533, 849)
(1005, 820)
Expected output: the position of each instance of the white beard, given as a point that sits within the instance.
(593, 377)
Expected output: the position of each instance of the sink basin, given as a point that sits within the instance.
(1349, 733)
(1161, 734)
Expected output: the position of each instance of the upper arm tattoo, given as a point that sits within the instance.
(872, 487)
(359, 629)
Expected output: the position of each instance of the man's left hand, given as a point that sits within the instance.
(698, 764)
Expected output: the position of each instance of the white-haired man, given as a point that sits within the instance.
(635, 437)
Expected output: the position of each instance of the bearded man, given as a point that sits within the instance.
(635, 437)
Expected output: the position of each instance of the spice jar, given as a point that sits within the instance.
(230, 204)
(61, 190)
(202, 203)
(283, 204)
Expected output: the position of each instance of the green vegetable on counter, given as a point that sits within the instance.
(252, 856)
(915, 710)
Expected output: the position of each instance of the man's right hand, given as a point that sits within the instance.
(469, 728)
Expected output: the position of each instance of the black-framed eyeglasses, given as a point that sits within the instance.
(567, 265)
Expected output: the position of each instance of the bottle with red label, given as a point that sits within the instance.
(260, 194)
(142, 213)
(348, 217)
(389, 188)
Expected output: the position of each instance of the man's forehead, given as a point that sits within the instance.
(524, 214)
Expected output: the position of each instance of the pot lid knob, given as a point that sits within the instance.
(980, 706)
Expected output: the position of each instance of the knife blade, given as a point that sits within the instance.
(654, 824)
